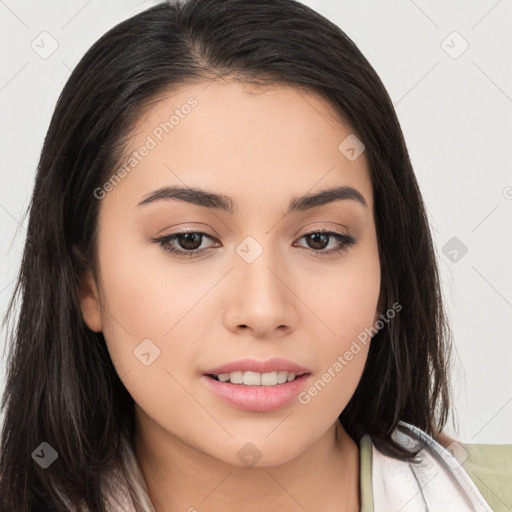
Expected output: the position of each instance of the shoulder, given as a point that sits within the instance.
(447, 475)
(490, 468)
(488, 465)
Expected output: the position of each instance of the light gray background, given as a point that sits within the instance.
(455, 111)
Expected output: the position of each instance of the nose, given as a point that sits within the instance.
(262, 298)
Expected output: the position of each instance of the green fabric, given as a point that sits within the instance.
(365, 474)
(488, 465)
(490, 468)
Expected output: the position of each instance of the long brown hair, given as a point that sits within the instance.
(62, 387)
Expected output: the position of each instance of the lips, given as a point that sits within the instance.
(250, 396)
(256, 398)
(274, 364)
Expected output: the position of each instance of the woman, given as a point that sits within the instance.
(229, 293)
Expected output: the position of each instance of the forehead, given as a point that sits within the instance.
(245, 140)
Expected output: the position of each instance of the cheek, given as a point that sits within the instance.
(348, 312)
(144, 292)
(346, 302)
(331, 389)
(148, 317)
(141, 300)
(345, 296)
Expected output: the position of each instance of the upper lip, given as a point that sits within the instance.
(274, 364)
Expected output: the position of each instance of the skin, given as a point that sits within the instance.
(261, 146)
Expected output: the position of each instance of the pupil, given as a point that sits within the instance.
(187, 237)
(316, 236)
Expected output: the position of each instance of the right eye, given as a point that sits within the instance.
(189, 241)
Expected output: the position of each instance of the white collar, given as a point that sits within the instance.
(437, 484)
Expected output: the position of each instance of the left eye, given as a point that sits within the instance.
(342, 242)
(190, 242)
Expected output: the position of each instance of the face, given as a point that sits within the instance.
(261, 274)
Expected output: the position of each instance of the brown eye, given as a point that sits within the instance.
(317, 241)
(190, 241)
(187, 243)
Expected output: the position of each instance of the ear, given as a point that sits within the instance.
(90, 302)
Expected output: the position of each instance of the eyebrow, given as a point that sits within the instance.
(222, 202)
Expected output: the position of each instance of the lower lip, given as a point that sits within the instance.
(257, 398)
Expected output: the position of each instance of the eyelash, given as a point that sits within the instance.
(346, 241)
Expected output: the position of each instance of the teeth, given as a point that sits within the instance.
(257, 379)
(236, 377)
(252, 379)
(269, 379)
(282, 377)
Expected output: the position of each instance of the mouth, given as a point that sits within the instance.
(255, 392)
